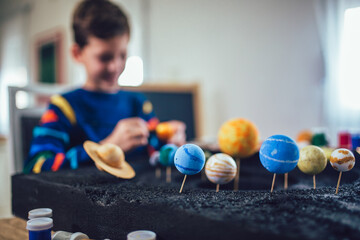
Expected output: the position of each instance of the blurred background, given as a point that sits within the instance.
(286, 65)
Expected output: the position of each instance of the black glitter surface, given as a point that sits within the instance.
(103, 206)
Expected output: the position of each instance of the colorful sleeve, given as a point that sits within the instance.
(51, 138)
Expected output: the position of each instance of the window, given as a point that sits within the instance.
(133, 74)
(349, 65)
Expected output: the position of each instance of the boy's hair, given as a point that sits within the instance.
(98, 18)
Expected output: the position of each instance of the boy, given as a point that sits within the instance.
(99, 111)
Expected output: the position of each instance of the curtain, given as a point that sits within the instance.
(330, 19)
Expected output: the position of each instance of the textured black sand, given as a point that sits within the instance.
(103, 206)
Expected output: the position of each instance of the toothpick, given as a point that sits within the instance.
(273, 181)
(314, 180)
(217, 187)
(158, 172)
(338, 183)
(182, 185)
(286, 181)
(168, 174)
(236, 181)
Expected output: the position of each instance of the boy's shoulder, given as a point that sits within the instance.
(80, 93)
(71, 93)
(134, 94)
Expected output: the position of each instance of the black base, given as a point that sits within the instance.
(102, 206)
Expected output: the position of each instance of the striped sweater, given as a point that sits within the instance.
(77, 116)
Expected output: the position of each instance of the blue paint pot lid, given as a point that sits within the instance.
(78, 236)
(39, 224)
(58, 235)
(40, 212)
(141, 235)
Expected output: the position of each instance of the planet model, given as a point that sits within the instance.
(189, 159)
(328, 151)
(154, 158)
(220, 168)
(238, 138)
(279, 154)
(304, 136)
(164, 131)
(109, 158)
(167, 154)
(111, 154)
(342, 160)
(312, 160)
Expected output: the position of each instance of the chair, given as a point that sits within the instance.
(23, 120)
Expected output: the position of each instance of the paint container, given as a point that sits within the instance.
(40, 212)
(344, 139)
(355, 141)
(62, 235)
(39, 228)
(141, 235)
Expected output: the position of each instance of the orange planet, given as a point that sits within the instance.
(164, 131)
(238, 138)
(304, 136)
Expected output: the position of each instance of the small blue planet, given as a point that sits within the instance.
(189, 159)
(279, 154)
(167, 154)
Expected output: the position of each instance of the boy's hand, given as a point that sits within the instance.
(179, 137)
(128, 134)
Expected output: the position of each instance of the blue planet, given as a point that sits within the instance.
(167, 154)
(189, 159)
(279, 154)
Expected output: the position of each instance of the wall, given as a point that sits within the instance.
(48, 15)
(254, 59)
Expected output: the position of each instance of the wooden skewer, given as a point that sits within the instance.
(182, 185)
(338, 183)
(236, 181)
(286, 181)
(272, 185)
(158, 172)
(217, 187)
(168, 174)
(314, 180)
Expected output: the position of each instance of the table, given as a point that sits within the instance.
(103, 206)
(13, 229)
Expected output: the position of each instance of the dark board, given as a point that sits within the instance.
(175, 106)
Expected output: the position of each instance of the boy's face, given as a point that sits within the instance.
(104, 61)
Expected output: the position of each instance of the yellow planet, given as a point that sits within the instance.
(312, 160)
(238, 137)
(328, 151)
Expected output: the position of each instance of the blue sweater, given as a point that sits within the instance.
(75, 117)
